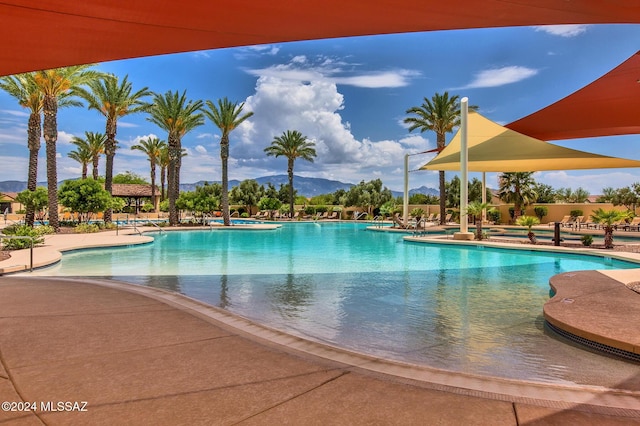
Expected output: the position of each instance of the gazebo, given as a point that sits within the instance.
(135, 193)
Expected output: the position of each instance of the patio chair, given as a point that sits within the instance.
(635, 223)
(563, 222)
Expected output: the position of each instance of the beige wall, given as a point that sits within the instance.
(558, 211)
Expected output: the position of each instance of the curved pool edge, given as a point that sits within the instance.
(56, 244)
(597, 308)
(600, 399)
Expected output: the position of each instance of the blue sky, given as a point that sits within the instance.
(349, 96)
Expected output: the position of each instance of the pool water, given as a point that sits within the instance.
(470, 309)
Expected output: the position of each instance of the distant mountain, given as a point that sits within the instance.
(16, 185)
(305, 186)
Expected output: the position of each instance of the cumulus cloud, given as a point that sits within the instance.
(201, 149)
(563, 30)
(313, 108)
(500, 76)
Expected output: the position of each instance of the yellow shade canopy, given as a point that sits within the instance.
(494, 148)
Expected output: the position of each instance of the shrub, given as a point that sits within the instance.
(25, 231)
(417, 212)
(493, 215)
(587, 240)
(244, 215)
(86, 228)
(576, 213)
(541, 211)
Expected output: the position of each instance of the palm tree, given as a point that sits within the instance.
(94, 144)
(226, 116)
(113, 100)
(517, 188)
(58, 85)
(82, 155)
(608, 220)
(23, 88)
(292, 144)
(153, 148)
(178, 116)
(441, 114)
(529, 222)
(475, 208)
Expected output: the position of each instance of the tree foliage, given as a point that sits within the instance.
(204, 200)
(367, 194)
(85, 196)
(247, 193)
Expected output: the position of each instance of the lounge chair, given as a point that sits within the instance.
(333, 215)
(397, 221)
(565, 220)
(635, 223)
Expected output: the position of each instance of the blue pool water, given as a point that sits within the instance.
(470, 309)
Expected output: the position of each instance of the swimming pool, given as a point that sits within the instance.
(471, 309)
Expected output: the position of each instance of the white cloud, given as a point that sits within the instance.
(500, 76)
(16, 113)
(563, 30)
(304, 69)
(313, 108)
(258, 50)
(64, 137)
(201, 149)
(127, 125)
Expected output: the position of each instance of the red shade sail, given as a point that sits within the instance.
(608, 106)
(47, 34)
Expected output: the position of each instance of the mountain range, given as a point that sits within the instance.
(306, 186)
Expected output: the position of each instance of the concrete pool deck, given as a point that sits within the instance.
(141, 355)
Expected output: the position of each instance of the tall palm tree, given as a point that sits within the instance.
(440, 114)
(82, 155)
(178, 116)
(292, 144)
(153, 148)
(23, 88)
(58, 84)
(226, 116)
(113, 100)
(94, 144)
(517, 188)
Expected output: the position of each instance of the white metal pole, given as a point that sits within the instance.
(405, 200)
(464, 178)
(484, 196)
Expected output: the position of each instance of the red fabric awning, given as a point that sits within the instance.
(40, 35)
(608, 106)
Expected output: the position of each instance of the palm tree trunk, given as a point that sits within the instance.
(153, 184)
(163, 174)
(50, 130)
(84, 171)
(33, 138)
(290, 172)
(174, 154)
(110, 152)
(96, 174)
(440, 143)
(224, 156)
(608, 237)
(479, 228)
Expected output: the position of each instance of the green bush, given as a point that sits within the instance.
(576, 213)
(541, 211)
(587, 240)
(25, 231)
(244, 215)
(86, 228)
(493, 215)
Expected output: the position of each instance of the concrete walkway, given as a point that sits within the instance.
(137, 355)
